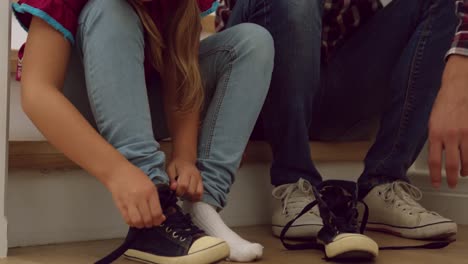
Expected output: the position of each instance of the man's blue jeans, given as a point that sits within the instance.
(392, 67)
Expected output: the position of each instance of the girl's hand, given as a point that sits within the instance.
(185, 179)
(136, 197)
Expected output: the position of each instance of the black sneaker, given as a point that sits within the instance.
(340, 236)
(177, 240)
(337, 201)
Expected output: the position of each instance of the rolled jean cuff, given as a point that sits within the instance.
(209, 199)
(159, 176)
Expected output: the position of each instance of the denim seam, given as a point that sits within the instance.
(212, 121)
(266, 10)
(414, 71)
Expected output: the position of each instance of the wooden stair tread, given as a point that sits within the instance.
(42, 155)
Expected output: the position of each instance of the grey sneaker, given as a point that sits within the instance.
(393, 208)
(290, 200)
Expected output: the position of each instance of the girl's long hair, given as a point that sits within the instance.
(174, 53)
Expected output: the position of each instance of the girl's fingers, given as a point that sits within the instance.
(124, 213)
(156, 212)
(183, 182)
(135, 217)
(199, 193)
(145, 213)
(192, 189)
(172, 173)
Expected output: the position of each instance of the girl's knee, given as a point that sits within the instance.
(257, 42)
(115, 15)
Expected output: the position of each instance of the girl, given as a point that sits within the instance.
(103, 79)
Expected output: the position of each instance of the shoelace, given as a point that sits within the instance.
(314, 244)
(405, 196)
(181, 226)
(349, 222)
(285, 193)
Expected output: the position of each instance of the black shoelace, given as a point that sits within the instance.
(348, 221)
(315, 245)
(181, 226)
(177, 223)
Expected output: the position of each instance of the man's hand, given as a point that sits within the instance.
(448, 125)
(185, 179)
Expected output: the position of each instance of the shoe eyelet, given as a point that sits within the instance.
(175, 235)
(182, 239)
(161, 225)
(168, 230)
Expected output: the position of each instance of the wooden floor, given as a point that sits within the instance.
(80, 253)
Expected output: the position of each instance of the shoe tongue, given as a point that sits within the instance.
(298, 193)
(339, 196)
(347, 188)
(174, 214)
(168, 200)
(170, 211)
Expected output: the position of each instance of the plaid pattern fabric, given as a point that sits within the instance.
(223, 13)
(460, 42)
(342, 17)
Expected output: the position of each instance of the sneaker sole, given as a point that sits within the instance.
(352, 247)
(433, 231)
(212, 254)
(302, 231)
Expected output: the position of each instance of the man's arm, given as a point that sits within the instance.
(448, 126)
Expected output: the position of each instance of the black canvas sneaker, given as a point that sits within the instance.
(340, 236)
(337, 201)
(176, 241)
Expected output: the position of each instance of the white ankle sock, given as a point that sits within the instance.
(206, 217)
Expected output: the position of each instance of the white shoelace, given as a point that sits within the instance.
(405, 196)
(295, 197)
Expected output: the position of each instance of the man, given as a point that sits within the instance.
(340, 62)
